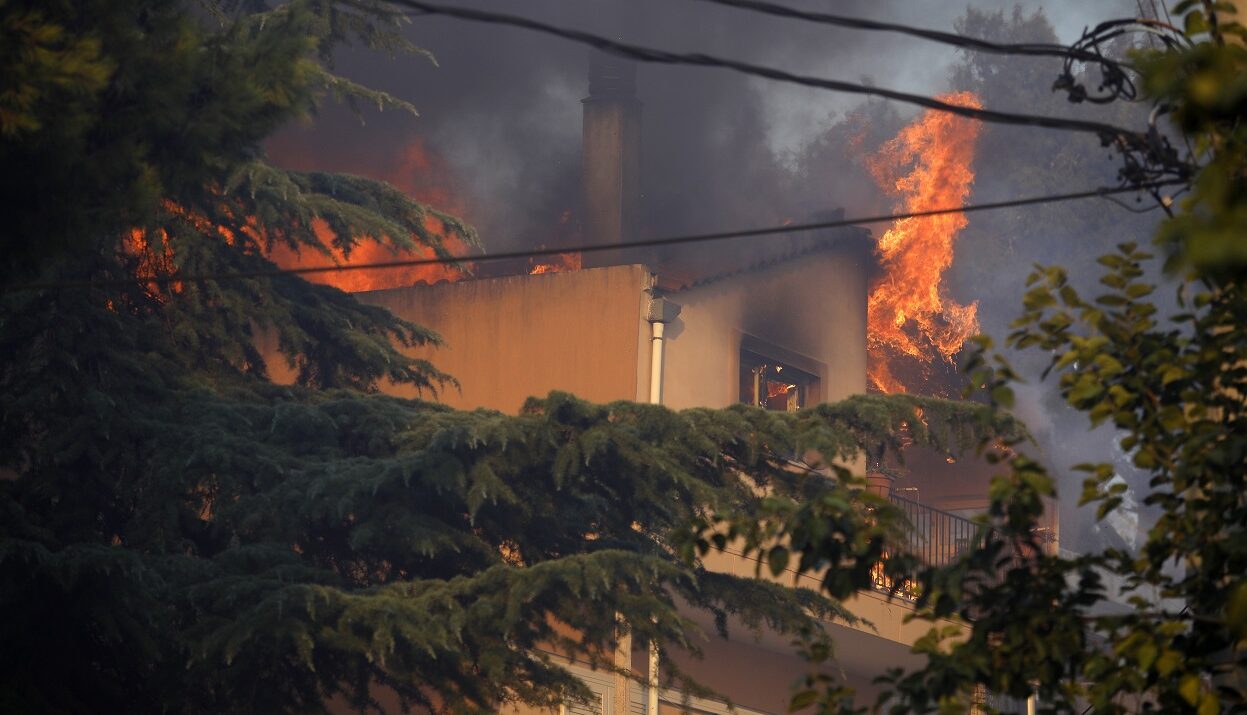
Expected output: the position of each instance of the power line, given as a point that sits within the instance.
(592, 248)
(1165, 7)
(948, 38)
(1143, 14)
(654, 56)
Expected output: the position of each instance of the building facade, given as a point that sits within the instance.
(784, 331)
(778, 322)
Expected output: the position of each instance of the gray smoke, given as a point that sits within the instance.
(502, 108)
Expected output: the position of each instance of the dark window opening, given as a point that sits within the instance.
(771, 384)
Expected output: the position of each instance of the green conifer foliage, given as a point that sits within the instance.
(177, 534)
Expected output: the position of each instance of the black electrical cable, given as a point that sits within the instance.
(592, 248)
(656, 56)
(948, 38)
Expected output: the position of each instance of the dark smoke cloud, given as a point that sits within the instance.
(503, 110)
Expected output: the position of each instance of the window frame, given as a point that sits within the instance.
(753, 351)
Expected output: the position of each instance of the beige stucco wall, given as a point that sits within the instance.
(757, 670)
(885, 620)
(813, 306)
(510, 338)
(585, 332)
(747, 674)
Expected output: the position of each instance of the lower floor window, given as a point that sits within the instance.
(771, 384)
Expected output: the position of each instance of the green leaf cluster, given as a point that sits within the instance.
(1162, 628)
(1205, 85)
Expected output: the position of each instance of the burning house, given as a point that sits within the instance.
(780, 323)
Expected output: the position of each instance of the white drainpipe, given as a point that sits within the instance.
(661, 311)
(655, 365)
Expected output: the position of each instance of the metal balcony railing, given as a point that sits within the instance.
(936, 536)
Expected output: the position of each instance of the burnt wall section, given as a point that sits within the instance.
(811, 310)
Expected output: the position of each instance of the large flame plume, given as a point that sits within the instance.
(420, 173)
(911, 320)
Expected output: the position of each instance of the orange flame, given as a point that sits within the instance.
(152, 251)
(562, 262)
(567, 231)
(420, 173)
(926, 166)
(367, 251)
(153, 258)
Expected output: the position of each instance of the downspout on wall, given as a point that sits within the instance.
(661, 311)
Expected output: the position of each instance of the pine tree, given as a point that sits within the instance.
(178, 534)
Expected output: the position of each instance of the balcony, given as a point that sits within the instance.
(938, 538)
(935, 536)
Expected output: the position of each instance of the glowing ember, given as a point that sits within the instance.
(153, 258)
(910, 319)
(777, 389)
(151, 251)
(567, 231)
(562, 262)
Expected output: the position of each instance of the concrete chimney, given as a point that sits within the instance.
(612, 155)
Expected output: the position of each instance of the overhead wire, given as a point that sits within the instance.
(1143, 14)
(966, 42)
(1136, 209)
(651, 55)
(1165, 8)
(1190, 149)
(587, 248)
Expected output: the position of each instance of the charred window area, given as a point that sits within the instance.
(771, 384)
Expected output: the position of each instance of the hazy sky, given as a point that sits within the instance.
(795, 115)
